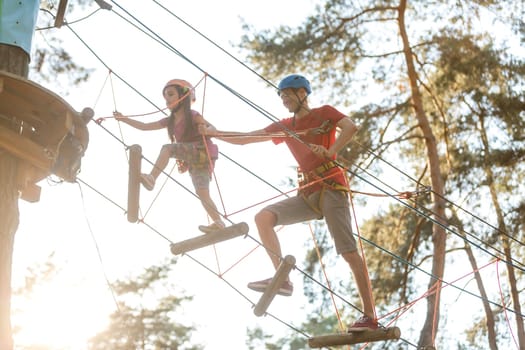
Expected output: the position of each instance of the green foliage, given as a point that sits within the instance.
(258, 339)
(50, 63)
(401, 234)
(36, 276)
(473, 94)
(480, 87)
(322, 247)
(146, 318)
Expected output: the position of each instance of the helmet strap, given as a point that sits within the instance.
(301, 103)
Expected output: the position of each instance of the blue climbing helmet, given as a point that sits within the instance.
(295, 81)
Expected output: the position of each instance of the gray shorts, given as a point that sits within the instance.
(199, 165)
(335, 208)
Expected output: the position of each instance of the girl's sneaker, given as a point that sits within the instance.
(365, 323)
(216, 226)
(285, 289)
(148, 181)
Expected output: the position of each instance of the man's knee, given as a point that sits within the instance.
(166, 149)
(352, 257)
(265, 218)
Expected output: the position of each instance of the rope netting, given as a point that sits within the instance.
(405, 198)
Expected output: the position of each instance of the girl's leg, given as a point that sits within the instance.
(148, 180)
(209, 205)
(162, 161)
(200, 177)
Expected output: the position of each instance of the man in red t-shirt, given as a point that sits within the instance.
(310, 134)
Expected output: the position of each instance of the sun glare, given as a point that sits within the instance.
(56, 319)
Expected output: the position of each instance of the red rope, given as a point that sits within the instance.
(363, 255)
(238, 261)
(210, 162)
(319, 256)
(150, 206)
(404, 308)
(504, 306)
(101, 119)
(436, 308)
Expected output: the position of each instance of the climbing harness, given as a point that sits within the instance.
(306, 179)
(319, 175)
(198, 157)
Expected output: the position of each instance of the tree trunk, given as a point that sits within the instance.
(490, 323)
(13, 60)
(502, 227)
(491, 331)
(430, 326)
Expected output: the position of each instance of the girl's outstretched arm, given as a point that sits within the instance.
(156, 125)
(235, 137)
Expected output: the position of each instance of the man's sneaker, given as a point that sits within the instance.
(286, 288)
(365, 323)
(148, 181)
(216, 226)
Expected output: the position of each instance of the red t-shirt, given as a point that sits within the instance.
(306, 159)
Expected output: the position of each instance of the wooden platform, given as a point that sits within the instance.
(41, 129)
(354, 337)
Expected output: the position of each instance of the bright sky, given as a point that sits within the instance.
(69, 223)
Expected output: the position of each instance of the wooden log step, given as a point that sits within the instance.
(278, 279)
(354, 337)
(207, 239)
(135, 158)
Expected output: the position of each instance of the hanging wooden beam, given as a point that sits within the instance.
(27, 177)
(281, 275)
(31, 193)
(207, 239)
(61, 12)
(135, 158)
(354, 337)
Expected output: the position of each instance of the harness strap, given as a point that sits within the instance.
(318, 173)
(199, 159)
(315, 206)
(325, 167)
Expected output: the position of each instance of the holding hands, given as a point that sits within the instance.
(207, 129)
(120, 117)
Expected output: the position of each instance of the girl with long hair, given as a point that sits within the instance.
(194, 152)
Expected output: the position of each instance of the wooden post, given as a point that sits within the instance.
(135, 158)
(59, 18)
(280, 276)
(14, 60)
